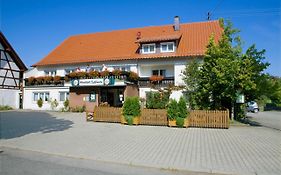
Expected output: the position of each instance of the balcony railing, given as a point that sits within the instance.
(165, 82)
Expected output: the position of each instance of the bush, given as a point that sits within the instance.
(54, 104)
(182, 109)
(116, 72)
(78, 109)
(129, 119)
(172, 110)
(157, 100)
(40, 103)
(6, 107)
(131, 107)
(66, 105)
(180, 122)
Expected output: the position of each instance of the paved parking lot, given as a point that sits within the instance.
(238, 150)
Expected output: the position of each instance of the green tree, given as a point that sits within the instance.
(224, 72)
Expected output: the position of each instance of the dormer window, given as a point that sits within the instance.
(148, 48)
(167, 47)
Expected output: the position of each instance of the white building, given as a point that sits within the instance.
(11, 74)
(158, 55)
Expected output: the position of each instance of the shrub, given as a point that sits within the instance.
(104, 73)
(40, 103)
(172, 110)
(180, 122)
(57, 79)
(182, 109)
(131, 107)
(54, 104)
(94, 74)
(157, 100)
(129, 119)
(78, 109)
(66, 104)
(6, 107)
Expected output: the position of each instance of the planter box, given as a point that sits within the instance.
(136, 120)
(172, 123)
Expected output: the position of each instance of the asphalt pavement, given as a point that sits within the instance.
(22, 162)
(270, 119)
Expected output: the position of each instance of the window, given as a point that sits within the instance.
(64, 96)
(167, 47)
(50, 73)
(159, 72)
(45, 96)
(148, 48)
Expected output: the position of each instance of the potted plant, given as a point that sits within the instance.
(104, 73)
(31, 80)
(182, 120)
(47, 79)
(172, 112)
(73, 75)
(94, 74)
(57, 79)
(131, 111)
(156, 78)
(39, 80)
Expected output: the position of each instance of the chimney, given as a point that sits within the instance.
(176, 23)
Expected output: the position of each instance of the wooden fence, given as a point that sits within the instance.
(209, 119)
(107, 114)
(153, 117)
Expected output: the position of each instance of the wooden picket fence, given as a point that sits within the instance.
(107, 114)
(209, 119)
(197, 118)
(153, 117)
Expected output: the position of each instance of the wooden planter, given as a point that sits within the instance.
(136, 120)
(172, 123)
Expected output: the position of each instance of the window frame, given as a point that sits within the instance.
(167, 43)
(41, 95)
(159, 72)
(66, 95)
(149, 52)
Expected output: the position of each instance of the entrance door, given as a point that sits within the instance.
(112, 96)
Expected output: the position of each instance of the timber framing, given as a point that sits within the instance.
(11, 66)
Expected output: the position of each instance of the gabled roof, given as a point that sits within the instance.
(123, 45)
(7, 46)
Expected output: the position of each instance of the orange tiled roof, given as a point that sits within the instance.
(122, 45)
(159, 38)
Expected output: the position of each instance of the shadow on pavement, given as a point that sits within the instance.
(249, 120)
(16, 124)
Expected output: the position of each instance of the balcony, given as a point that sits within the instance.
(165, 82)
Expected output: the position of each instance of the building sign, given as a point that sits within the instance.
(92, 97)
(111, 81)
(88, 82)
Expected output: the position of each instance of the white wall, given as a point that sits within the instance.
(28, 102)
(9, 97)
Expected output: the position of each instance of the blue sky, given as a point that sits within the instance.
(36, 27)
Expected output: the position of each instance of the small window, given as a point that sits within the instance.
(50, 73)
(148, 48)
(167, 47)
(35, 96)
(64, 96)
(159, 72)
(45, 96)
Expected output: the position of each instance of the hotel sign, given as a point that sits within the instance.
(88, 82)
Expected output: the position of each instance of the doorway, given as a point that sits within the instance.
(112, 95)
